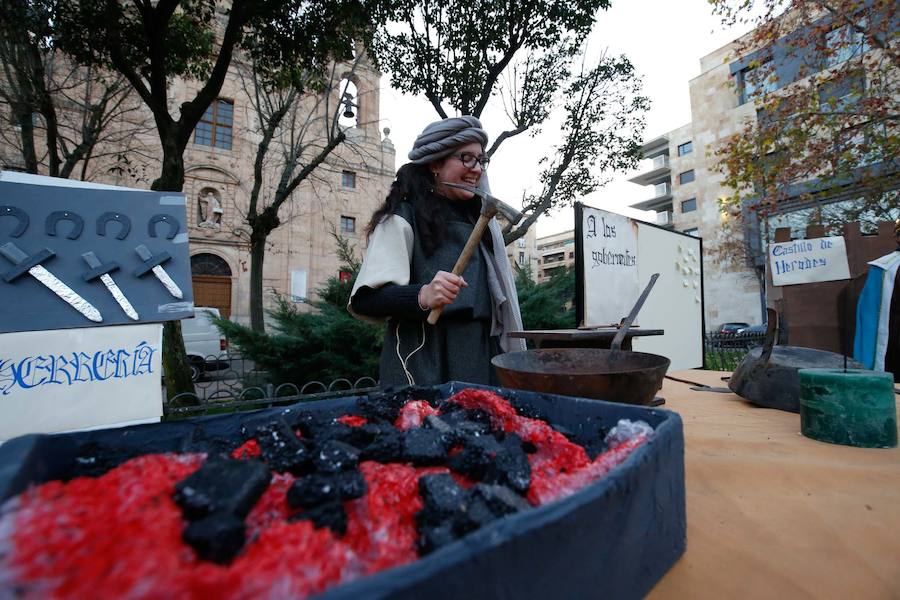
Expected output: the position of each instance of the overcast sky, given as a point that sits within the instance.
(663, 39)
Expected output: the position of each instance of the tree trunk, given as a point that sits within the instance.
(25, 121)
(257, 256)
(175, 361)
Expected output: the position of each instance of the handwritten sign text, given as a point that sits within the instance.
(808, 261)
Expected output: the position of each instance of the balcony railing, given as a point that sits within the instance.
(662, 189)
(664, 218)
(660, 161)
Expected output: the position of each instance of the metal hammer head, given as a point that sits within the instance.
(490, 205)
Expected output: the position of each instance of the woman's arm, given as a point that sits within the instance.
(407, 301)
(401, 301)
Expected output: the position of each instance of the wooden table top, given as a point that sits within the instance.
(773, 514)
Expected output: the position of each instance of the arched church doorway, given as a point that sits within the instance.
(212, 282)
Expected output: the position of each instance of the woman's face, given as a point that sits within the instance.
(451, 169)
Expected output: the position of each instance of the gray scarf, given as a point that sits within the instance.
(437, 141)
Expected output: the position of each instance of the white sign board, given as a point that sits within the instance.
(610, 263)
(68, 379)
(808, 261)
(617, 256)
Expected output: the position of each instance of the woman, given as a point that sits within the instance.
(415, 238)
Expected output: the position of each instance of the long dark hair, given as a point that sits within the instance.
(414, 184)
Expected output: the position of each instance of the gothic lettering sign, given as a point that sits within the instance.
(615, 259)
(808, 261)
(610, 264)
(76, 378)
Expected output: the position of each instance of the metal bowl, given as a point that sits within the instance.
(622, 376)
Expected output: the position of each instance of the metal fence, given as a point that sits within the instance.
(724, 351)
(229, 382)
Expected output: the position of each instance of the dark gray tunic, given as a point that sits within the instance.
(459, 347)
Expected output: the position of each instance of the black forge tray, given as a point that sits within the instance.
(613, 539)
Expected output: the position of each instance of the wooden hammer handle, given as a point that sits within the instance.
(463, 260)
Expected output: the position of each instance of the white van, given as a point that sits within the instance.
(206, 347)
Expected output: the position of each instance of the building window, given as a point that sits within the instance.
(348, 179)
(692, 231)
(298, 285)
(689, 205)
(348, 224)
(520, 243)
(842, 92)
(521, 258)
(754, 81)
(685, 148)
(686, 177)
(843, 43)
(214, 129)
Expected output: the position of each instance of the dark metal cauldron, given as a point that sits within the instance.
(617, 376)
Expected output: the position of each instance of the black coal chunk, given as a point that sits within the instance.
(95, 459)
(319, 429)
(217, 538)
(442, 496)
(432, 537)
(331, 515)
(487, 503)
(452, 413)
(510, 465)
(441, 518)
(386, 446)
(197, 440)
(500, 499)
(478, 514)
(438, 424)
(597, 445)
(424, 447)
(476, 457)
(333, 456)
(222, 486)
(385, 406)
(313, 490)
(282, 449)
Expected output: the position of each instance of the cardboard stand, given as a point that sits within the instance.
(87, 276)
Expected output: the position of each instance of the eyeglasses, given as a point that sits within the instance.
(468, 160)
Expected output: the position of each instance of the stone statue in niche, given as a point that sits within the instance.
(211, 211)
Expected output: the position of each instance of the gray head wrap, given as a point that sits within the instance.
(442, 137)
(438, 140)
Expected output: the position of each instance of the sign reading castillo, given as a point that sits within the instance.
(808, 261)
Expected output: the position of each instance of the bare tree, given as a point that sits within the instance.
(62, 114)
(299, 128)
(460, 55)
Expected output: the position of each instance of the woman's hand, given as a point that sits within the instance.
(442, 290)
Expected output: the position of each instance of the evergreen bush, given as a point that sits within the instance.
(323, 344)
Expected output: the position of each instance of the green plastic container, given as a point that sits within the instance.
(853, 407)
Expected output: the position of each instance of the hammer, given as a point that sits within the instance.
(490, 206)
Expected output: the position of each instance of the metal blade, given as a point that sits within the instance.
(119, 296)
(167, 281)
(505, 209)
(471, 188)
(66, 293)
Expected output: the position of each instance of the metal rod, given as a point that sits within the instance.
(620, 336)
